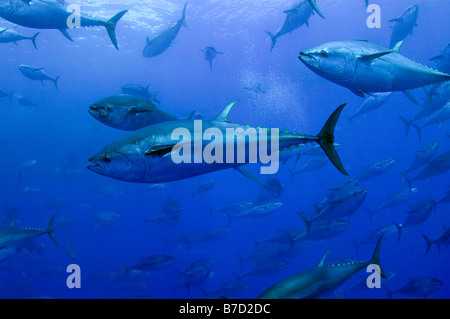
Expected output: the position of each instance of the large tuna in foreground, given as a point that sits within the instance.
(153, 154)
(365, 67)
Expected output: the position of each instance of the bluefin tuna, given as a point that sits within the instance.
(365, 67)
(387, 231)
(199, 236)
(423, 156)
(440, 116)
(145, 155)
(437, 166)
(446, 198)
(419, 213)
(319, 281)
(442, 240)
(420, 287)
(312, 165)
(443, 60)
(203, 187)
(137, 89)
(13, 36)
(372, 103)
(321, 230)
(339, 205)
(266, 267)
(226, 290)
(395, 199)
(164, 40)
(197, 273)
(404, 25)
(128, 112)
(52, 14)
(25, 102)
(151, 263)
(13, 239)
(37, 74)
(376, 169)
(210, 54)
(4, 94)
(437, 97)
(257, 211)
(297, 16)
(169, 215)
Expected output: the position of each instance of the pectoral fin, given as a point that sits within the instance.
(435, 58)
(371, 57)
(160, 150)
(66, 34)
(358, 93)
(290, 11)
(410, 95)
(138, 109)
(246, 172)
(397, 20)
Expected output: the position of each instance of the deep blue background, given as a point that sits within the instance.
(295, 99)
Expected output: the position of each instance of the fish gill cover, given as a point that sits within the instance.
(89, 97)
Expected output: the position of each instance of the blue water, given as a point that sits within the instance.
(60, 135)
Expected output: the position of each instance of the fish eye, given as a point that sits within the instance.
(108, 108)
(106, 159)
(324, 53)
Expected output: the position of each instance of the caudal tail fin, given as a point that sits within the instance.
(274, 40)
(33, 40)
(407, 124)
(183, 17)
(11, 97)
(419, 131)
(316, 8)
(326, 139)
(49, 230)
(56, 82)
(399, 230)
(110, 26)
(429, 243)
(376, 257)
(307, 221)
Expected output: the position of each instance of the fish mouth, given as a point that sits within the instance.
(306, 58)
(95, 166)
(99, 111)
(304, 54)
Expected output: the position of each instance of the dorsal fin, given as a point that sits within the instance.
(191, 116)
(223, 116)
(397, 47)
(322, 261)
